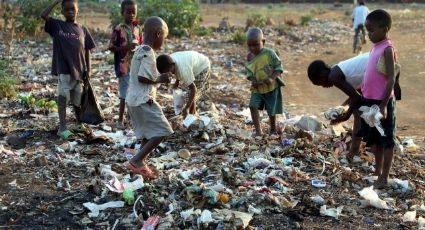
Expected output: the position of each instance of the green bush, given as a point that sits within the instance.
(305, 20)
(181, 16)
(29, 21)
(239, 36)
(256, 19)
(202, 31)
(7, 80)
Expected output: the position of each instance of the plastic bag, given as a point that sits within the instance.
(372, 116)
(178, 99)
(90, 109)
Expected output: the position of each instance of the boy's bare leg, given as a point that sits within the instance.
(272, 121)
(379, 160)
(121, 111)
(192, 108)
(139, 159)
(77, 112)
(388, 160)
(255, 115)
(62, 113)
(355, 140)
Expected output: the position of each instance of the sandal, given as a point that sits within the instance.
(65, 134)
(145, 171)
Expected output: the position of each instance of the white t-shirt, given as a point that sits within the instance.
(143, 64)
(354, 69)
(359, 15)
(188, 65)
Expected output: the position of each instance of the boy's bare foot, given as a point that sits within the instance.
(380, 183)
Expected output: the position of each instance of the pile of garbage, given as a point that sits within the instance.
(213, 174)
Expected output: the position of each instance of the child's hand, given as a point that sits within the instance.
(255, 84)
(165, 78)
(341, 118)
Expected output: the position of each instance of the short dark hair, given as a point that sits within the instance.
(164, 63)
(361, 2)
(65, 1)
(314, 70)
(381, 17)
(127, 3)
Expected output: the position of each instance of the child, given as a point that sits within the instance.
(377, 89)
(148, 121)
(72, 43)
(192, 69)
(348, 77)
(125, 37)
(264, 70)
(358, 19)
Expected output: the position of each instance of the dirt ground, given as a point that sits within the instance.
(48, 207)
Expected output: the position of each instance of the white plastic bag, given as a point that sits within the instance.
(373, 116)
(372, 198)
(178, 99)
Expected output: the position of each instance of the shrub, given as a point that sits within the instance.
(256, 19)
(305, 20)
(239, 36)
(202, 31)
(181, 16)
(7, 80)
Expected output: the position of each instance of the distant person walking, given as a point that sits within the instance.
(358, 19)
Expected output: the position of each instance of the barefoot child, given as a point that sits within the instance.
(190, 68)
(72, 43)
(264, 70)
(149, 123)
(348, 77)
(125, 37)
(378, 89)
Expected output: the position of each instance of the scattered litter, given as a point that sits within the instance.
(409, 216)
(332, 212)
(372, 199)
(318, 183)
(96, 208)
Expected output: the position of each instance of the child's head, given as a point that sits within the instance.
(255, 40)
(165, 64)
(155, 31)
(129, 11)
(361, 2)
(318, 73)
(378, 23)
(70, 9)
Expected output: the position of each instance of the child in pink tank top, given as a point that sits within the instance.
(377, 89)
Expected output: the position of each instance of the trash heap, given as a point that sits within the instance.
(213, 174)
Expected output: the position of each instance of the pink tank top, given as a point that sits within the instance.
(374, 82)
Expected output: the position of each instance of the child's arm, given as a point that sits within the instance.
(192, 92)
(389, 65)
(163, 78)
(45, 14)
(337, 78)
(88, 62)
